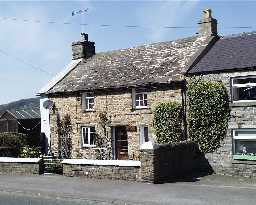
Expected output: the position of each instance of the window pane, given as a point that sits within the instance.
(145, 96)
(246, 93)
(137, 103)
(139, 96)
(245, 147)
(244, 80)
(146, 134)
(145, 103)
(92, 138)
(85, 135)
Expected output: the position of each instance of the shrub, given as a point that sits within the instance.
(168, 122)
(30, 152)
(11, 144)
(209, 112)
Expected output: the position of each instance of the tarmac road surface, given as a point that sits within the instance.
(60, 190)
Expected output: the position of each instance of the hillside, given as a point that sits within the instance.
(24, 104)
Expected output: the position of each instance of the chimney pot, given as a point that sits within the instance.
(208, 24)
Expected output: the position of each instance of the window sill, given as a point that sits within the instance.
(88, 111)
(244, 159)
(243, 104)
(88, 146)
(140, 108)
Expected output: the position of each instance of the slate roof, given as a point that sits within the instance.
(229, 53)
(148, 64)
(22, 114)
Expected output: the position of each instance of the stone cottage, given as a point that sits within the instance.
(232, 60)
(110, 96)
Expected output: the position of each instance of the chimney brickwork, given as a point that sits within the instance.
(83, 48)
(208, 24)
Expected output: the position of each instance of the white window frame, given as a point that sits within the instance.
(141, 100)
(142, 134)
(249, 137)
(241, 85)
(87, 103)
(83, 131)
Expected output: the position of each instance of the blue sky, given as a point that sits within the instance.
(28, 46)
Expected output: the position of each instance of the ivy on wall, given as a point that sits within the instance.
(168, 122)
(65, 136)
(208, 113)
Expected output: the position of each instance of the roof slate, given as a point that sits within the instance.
(148, 64)
(23, 114)
(229, 53)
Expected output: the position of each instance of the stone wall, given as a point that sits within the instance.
(242, 116)
(102, 172)
(119, 109)
(172, 162)
(21, 168)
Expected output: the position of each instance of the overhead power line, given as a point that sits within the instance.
(26, 62)
(106, 25)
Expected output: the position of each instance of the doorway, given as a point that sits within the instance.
(120, 142)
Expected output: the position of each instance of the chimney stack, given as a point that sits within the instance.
(83, 48)
(208, 24)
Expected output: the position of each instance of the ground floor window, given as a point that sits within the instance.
(88, 136)
(144, 134)
(244, 144)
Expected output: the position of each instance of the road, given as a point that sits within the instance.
(67, 190)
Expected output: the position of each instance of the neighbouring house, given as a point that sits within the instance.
(109, 96)
(25, 121)
(232, 60)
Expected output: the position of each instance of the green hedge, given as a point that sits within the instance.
(168, 122)
(11, 144)
(208, 105)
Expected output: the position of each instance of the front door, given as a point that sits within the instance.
(121, 143)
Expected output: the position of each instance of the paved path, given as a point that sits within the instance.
(66, 190)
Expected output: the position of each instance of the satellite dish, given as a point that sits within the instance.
(48, 104)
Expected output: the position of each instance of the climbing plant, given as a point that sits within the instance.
(168, 122)
(65, 138)
(208, 105)
(103, 143)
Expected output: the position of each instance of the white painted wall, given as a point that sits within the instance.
(45, 120)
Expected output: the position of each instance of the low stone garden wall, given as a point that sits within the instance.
(173, 162)
(102, 169)
(162, 163)
(22, 166)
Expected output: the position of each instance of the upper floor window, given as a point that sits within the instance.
(140, 99)
(244, 88)
(88, 102)
(88, 136)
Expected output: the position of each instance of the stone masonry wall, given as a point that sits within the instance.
(21, 168)
(118, 106)
(172, 162)
(102, 172)
(242, 116)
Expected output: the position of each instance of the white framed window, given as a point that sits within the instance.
(243, 89)
(144, 134)
(88, 101)
(141, 100)
(88, 136)
(244, 144)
